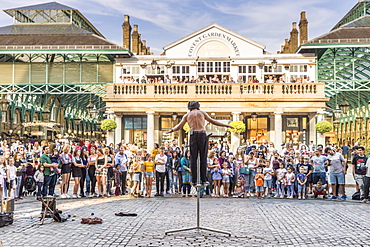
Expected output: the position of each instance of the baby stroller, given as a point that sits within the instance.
(30, 183)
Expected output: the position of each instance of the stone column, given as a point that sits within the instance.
(118, 130)
(272, 129)
(235, 137)
(311, 126)
(278, 123)
(150, 131)
(110, 133)
(320, 137)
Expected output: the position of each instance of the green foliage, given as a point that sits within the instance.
(108, 124)
(323, 126)
(239, 127)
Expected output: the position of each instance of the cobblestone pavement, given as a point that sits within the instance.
(252, 222)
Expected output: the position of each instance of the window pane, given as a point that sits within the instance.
(137, 123)
(128, 123)
(144, 123)
(262, 123)
(166, 123)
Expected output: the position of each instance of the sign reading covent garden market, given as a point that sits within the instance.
(211, 35)
(39, 123)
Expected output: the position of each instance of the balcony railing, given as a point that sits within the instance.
(233, 91)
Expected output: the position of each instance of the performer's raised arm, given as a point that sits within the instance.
(215, 122)
(179, 125)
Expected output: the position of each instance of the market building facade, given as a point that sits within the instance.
(151, 92)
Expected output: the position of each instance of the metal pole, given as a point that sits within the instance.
(198, 227)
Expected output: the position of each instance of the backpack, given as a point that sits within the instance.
(356, 196)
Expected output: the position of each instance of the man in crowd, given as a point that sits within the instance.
(50, 177)
(337, 170)
(319, 163)
(359, 169)
(160, 171)
(122, 160)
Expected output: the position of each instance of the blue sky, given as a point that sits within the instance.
(163, 21)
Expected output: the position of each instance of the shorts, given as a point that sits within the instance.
(337, 178)
(226, 179)
(136, 176)
(319, 177)
(259, 188)
(149, 174)
(267, 184)
(66, 168)
(12, 184)
(302, 188)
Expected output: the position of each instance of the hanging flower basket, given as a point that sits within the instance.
(323, 127)
(186, 128)
(239, 127)
(108, 124)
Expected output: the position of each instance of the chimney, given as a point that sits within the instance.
(303, 28)
(293, 41)
(126, 32)
(286, 46)
(148, 50)
(282, 48)
(139, 45)
(143, 47)
(135, 40)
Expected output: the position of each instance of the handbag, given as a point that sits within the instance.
(244, 170)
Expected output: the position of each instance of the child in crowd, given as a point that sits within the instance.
(302, 180)
(117, 179)
(39, 178)
(11, 175)
(280, 181)
(259, 177)
(226, 172)
(307, 171)
(290, 178)
(216, 177)
(319, 190)
(239, 189)
(268, 173)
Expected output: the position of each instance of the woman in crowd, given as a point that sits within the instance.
(77, 169)
(20, 164)
(149, 175)
(91, 170)
(108, 151)
(101, 172)
(85, 176)
(252, 164)
(174, 172)
(186, 174)
(66, 160)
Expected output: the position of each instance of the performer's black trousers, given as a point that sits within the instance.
(198, 146)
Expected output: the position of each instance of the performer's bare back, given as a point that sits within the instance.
(196, 120)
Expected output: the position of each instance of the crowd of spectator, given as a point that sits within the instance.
(98, 170)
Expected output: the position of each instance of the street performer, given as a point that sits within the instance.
(198, 139)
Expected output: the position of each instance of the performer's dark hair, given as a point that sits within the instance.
(193, 105)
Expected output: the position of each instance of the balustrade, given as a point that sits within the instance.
(227, 90)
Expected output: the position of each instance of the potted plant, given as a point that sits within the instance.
(108, 124)
(323, 127)
(239, 127)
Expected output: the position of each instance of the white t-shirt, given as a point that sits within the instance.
(12, 172)
(162, 159)
(268, 176)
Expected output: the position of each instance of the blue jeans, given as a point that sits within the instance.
(39, 188)
(290, 190)
(279, 189)
(173, 180)
(18, 181)
(49, 185)
(249, 181)
(87, 180)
